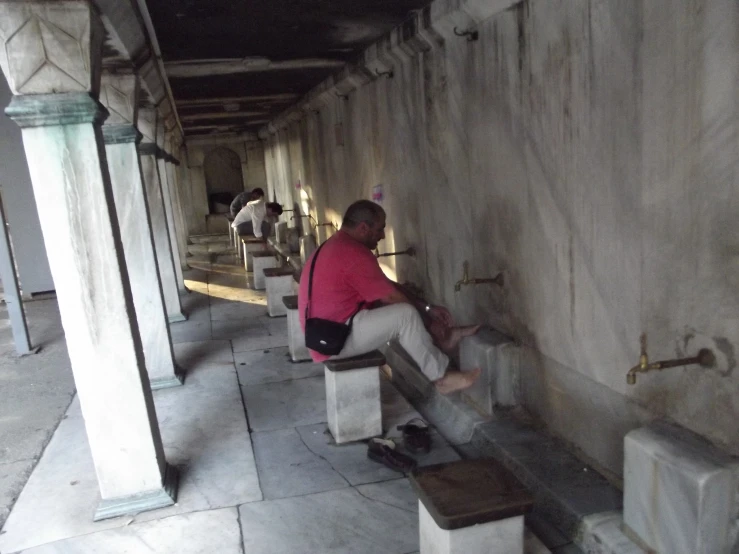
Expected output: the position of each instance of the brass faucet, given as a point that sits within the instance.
(705, 358)
(329, 224)
(410, 251)
(498, 279)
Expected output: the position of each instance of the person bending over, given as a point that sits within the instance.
(243, 198)
(253, 219)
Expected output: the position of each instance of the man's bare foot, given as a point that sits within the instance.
(454, 381)
(455, 336)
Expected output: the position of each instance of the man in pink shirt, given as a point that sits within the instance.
(348, 279)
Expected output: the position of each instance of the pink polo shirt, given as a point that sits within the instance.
(347, 274)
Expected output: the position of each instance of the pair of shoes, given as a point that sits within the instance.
(416, 436)
(383, 451)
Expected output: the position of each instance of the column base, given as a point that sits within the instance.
(176, 318)
(143, 502)
(167, 382)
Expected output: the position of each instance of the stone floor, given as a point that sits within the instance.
(259, 471)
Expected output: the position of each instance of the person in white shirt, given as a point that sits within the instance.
(253, 218)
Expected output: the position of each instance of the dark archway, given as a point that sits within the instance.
(223, 178)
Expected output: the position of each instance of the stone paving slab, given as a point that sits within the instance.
(215, 531)
(190, 331)
(210, 444)
(209, 352)
(221, 311)
(238, 328)
(334, 522)
(285, 405)
(288, 467)
(272, 366)
(246, 344)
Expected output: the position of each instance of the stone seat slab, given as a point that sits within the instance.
(370, 359)
(470, 492)
(250, 239)
(278, 271)
(291, 302)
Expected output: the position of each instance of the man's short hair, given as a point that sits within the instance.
(362, 211)
(275, 207)
(257, 192)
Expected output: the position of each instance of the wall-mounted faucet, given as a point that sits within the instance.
(330, 224)
(705, 358)
(410, 251)
(498, 279)
(309, 216)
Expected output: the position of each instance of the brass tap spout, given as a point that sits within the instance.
(498, 279)
(705, 358)
(330, 224)
(408, 251)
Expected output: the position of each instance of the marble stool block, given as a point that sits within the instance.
(281, 232)
(353, 402)
(499, 358)
(279, 282)
(470, 507)
(295, 337)
(504, 536)
(249, 245)
(260, 261)
(679, 491)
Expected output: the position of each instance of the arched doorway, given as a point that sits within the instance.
(223, 178)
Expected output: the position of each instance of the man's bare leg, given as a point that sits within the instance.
(454, 380)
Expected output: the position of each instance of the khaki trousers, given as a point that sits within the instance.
(374, 328)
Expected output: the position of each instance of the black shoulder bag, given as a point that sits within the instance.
(323, 335)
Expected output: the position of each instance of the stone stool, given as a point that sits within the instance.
(260, 261)
(470, 507)
(279, 283)
(295, 337)
(249, 243)
(353, 397)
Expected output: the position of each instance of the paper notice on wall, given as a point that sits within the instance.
(377, 194)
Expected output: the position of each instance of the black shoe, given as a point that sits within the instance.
(416, 436)
(383, 451)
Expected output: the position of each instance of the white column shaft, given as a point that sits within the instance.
(161, 238)
(85, 255)
(138, 247)
(164, 179)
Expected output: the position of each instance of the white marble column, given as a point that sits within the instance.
(167, 203)
(119, 94)
(174, 166)
(51, 57)
(150, 173)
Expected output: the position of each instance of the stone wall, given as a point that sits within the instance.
(588, 149)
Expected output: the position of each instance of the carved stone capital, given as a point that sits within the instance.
(120, 95)
(51, 47)
(121, 134)
(43, 110)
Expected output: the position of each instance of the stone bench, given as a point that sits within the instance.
(279, 282)
(248, 244)
(353, 401)
(295, 337)
(470, 507)
(260, 261)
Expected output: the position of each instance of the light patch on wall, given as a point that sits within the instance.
(389, 272)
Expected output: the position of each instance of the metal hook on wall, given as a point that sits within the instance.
(388, 74)
(469, 33)
(343, 96)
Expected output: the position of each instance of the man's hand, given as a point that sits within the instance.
(442, 315)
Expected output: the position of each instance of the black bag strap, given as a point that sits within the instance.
(310, 280)
(310, 288)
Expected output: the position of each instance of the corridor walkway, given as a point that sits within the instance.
(259, 472)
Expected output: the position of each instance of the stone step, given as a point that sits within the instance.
(568, 492)
(209, 248)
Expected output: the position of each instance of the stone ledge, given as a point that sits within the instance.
(565, 489)
(370, 359)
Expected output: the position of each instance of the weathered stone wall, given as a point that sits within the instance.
(590, 150)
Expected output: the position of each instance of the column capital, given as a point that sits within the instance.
(119, 93)
(121, 134)
(51, 47)
(147, 123)
(149, 149)
(44, 110)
